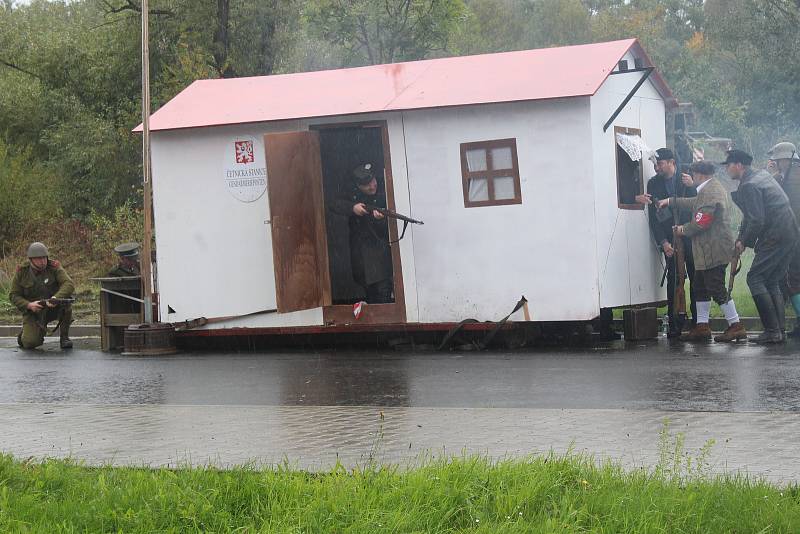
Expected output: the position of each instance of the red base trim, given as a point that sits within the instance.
(345, 329)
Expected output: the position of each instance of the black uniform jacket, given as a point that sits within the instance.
(370, 255)
(767, 217)
(661, 223)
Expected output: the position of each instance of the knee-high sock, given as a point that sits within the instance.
(703, 311)
(729, 309)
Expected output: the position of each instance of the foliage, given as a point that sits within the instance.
(469, 494)
(385, 32)
(28, 195)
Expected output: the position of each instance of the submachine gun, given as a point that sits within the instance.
(54, 302)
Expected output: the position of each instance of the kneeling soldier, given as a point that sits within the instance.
(37, 280)
(713, 248)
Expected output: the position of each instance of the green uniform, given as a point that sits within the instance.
(28, 286)
(120, 271)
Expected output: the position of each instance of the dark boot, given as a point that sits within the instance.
(65, 342)
(780, 312)
(19, 339)
(766, 311)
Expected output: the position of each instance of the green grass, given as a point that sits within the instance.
(470, 494)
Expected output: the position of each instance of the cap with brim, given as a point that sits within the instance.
(127, 249)
(783, 151)
(737, 156)
(363, 174)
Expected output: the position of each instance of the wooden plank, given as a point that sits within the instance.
(370, 314)
(299, 246)
(121, 319)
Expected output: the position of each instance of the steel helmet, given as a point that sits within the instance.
(37, 250)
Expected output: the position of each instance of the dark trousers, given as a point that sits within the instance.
(710, 284)
(769, 268)
(793, 276)
(689, 260)
(380, 292)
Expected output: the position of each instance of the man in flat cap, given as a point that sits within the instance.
(784, 164)
(370, 255)
(769, 227)
(128, 264)
(665, 184)
(38, 279)
(713, 246)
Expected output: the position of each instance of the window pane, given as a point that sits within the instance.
(504, 188)
(476, 160)
(501, 158)
(478, 189)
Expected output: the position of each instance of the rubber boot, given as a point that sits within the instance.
(766, 311)
(795, 300)
(780, 312)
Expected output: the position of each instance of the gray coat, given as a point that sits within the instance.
(710, 225)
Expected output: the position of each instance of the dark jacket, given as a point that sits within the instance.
(790, 182)
(370, 255)
(767, 217)
(657, 188)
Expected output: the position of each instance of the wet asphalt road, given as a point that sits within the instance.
(643, 376)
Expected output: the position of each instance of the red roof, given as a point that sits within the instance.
(562, 72)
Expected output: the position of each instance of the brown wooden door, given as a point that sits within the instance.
(299, 250)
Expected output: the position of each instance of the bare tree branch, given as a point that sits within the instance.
(131, 5)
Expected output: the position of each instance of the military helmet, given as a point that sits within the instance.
(37, 250)
(783, 150)
(127, 250)
(363, 174)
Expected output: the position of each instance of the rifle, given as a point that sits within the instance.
(736, 266)
(55, 301)
(393, 215)
(679, 297)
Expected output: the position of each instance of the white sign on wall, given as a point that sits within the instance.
(245, 168)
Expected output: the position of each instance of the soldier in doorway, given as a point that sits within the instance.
(41, 278)
(665, 184)
(370, 255)
(784, 164)
(128, 264)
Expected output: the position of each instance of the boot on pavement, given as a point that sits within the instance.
(734, 332)
(699, 332)
(65, 342)
(780, 312)
(767, 313)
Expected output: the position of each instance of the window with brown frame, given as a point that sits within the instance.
(629, 169)
(490, 173)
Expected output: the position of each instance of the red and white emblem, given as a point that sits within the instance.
(244, 151)
(703, 220)
(358, 309)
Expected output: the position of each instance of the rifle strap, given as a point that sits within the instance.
(389, 243)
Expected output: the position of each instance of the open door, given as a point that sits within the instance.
(299, 247)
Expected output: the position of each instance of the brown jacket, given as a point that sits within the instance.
(710, 226)
(29, 285)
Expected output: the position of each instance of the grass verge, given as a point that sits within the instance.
(470, 494)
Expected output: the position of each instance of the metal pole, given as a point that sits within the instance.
(146, 266)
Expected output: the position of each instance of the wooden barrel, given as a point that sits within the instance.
(150, 339)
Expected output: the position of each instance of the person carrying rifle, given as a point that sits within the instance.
(769, 227)
(713, 248)
(38, 285)
(370, 254)
(784, 164)
(668, 183)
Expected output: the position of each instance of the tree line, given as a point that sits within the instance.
(70, 70)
